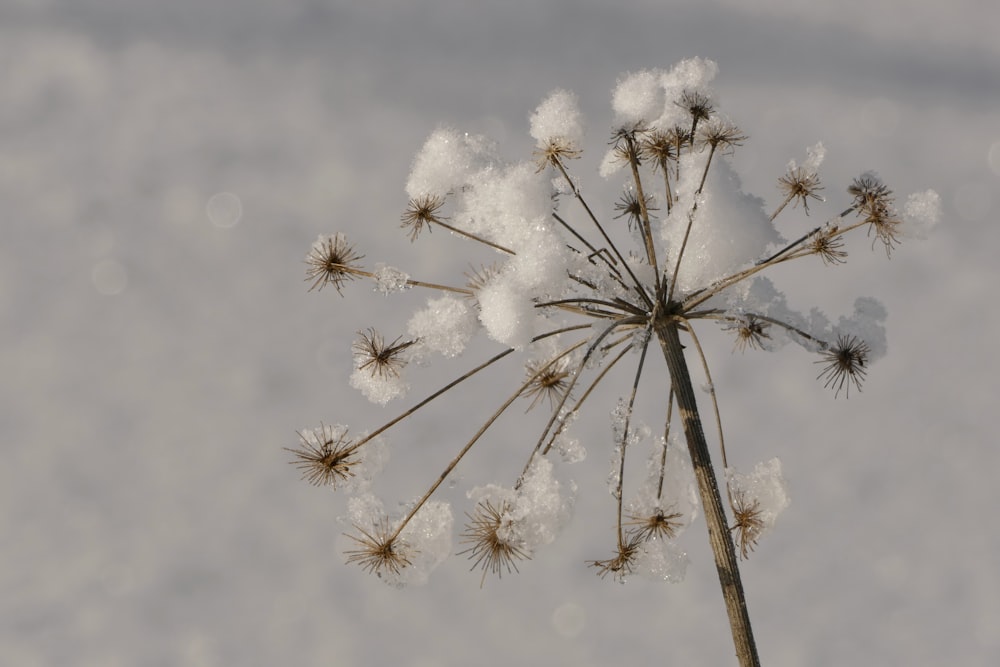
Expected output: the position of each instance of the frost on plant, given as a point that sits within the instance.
(584, 295)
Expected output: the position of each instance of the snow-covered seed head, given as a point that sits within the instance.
(747, 522)
(379, 551)
(661, 524)
(421, 212)
(325, 456)
(492, 547)
(751, 332)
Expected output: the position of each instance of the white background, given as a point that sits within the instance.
(154, 361)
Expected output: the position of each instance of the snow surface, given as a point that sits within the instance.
(164, 168)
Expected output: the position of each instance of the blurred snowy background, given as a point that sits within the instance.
(164, 167)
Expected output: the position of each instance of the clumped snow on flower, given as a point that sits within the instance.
(590, 298)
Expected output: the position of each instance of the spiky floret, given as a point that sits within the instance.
(379, 551)
(829, 246)
(747, 522)
(491, 546)
(800, 185)
(371, 352)
(698, 104)
(325, 456)
(661, 524)
(660, 147)
(750, 332)
(621, 565)
(875, 201)
(548, 380)
(845, 364)
(555, 151)
(420, 212)
(721, 134)
(331, 261)
(630, 206)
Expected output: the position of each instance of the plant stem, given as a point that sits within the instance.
(715, 515)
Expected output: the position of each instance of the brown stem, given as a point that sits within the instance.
(715, 516)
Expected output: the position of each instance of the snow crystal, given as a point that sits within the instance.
(660, 560)
(558, 119)
(730, 228)
(446, 161)
(389, 279)
(921, 213)
(378, 387)
(445, 326)
(508, 313)
(638, 98)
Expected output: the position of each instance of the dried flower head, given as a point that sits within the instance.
(420, 212)
(548, 379)
(750, 332)
(698, 104)
(845, 364)
(630, 206)
(332, 261)
(379, 550)
(660, 147)
(747, 522)
(371, 352)
(661, 524)
(626, 141)
(720, 133)
(621, 565)
(875, 201)
(829, 247)
(555, 151)
(492, 547)
(800, 185)
(325, 456)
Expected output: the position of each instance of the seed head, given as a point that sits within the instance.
(747, 523)
(422, 211)
(331, 261)
(555, 151)
(845, 364)
(660, 524)
(620, 566)
(720, 133)
(630, 206)
(801, 185)
(371, 352)
(829, 247)
(875, 201)
(492, 548)
(696, 103)
(325, 456)
(379, 551)
(750, 332)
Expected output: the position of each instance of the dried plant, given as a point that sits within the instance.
(576, 302)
